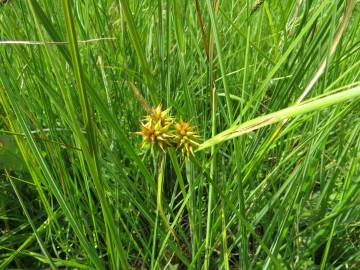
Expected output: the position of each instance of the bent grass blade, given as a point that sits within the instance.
(278, 116)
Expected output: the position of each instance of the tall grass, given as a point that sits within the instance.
(272, 88)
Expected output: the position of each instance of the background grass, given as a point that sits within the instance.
(78, 192)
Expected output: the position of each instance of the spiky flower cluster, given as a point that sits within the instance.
(155, 129)
(158, 130)
(185, 138)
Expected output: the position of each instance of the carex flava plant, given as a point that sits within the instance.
(159, 131)
(156, 129)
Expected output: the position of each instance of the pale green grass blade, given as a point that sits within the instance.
(269, 119)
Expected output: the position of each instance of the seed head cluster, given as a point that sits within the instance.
(160, 131)
(185, 137)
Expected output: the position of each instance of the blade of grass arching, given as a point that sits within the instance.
(244, 247)
(23, 206)
(92, 159)
(40, 14)
(26, 242)
(272, 138)
(278, 116)
(53, 185)
(35, 173)
(72, 120)
(67, 117)
(125, 142)
(136, 41)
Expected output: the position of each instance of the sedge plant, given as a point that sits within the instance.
(255, 166)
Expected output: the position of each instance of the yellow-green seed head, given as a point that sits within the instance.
(155, 129)
(157, 115)
(185, 138)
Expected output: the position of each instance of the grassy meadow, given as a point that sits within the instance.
(179, 134)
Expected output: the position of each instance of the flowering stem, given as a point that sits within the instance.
(159, 195)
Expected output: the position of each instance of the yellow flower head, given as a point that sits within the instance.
(155, 129)
(157, 115)
(185, 138)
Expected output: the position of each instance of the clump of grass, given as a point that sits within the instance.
(271, 86)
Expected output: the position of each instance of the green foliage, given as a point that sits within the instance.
(271, 87)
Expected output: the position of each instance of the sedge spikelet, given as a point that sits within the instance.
(185, 138)
(156, 129)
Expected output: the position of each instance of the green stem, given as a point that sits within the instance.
(159, 196)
